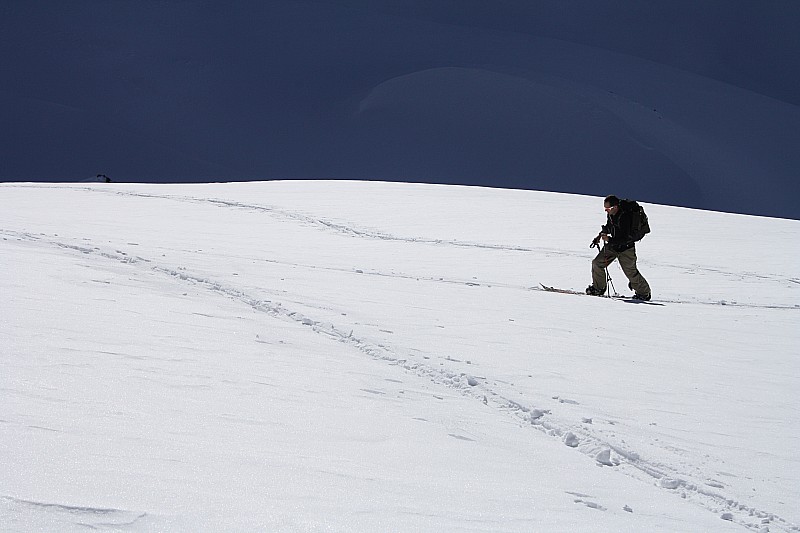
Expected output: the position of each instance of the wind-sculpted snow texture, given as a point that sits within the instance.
(348, 356)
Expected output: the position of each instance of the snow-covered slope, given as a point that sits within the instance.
(346, 356)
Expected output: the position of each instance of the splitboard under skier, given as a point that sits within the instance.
(626, 224)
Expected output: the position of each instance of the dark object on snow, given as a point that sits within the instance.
(626, 224)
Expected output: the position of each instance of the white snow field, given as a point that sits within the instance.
(365, 356)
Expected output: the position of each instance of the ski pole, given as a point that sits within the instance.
(610, 284)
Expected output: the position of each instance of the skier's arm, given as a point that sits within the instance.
(607, 230)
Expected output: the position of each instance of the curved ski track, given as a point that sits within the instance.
(89, 517)
(585, 441)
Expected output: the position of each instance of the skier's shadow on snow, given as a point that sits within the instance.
(637, 302)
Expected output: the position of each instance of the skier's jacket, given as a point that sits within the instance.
(627, 226)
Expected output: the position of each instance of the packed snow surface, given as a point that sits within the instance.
(352, 356)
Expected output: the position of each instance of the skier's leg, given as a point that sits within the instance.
(604, 258)
(627, 260)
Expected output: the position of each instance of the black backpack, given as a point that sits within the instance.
(640, 226)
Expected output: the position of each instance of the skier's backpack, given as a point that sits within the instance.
(640, 226)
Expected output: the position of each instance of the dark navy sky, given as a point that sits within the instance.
(275, 89)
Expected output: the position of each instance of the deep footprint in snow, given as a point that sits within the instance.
(461, 437)
(591, 505)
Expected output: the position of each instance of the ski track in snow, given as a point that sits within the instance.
(88, 517)
(353, 231)
(692, 486)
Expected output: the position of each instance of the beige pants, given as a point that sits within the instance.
(627, 260)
